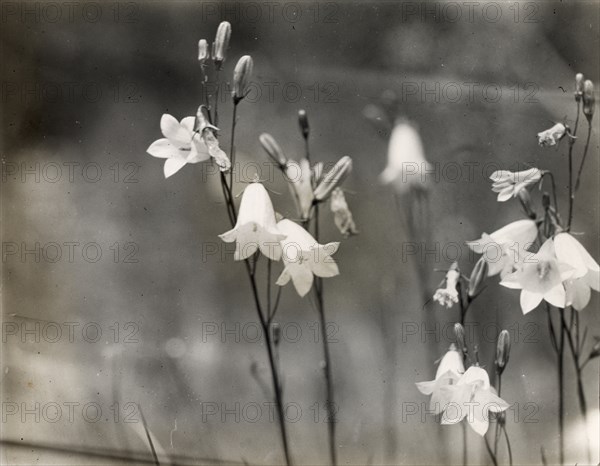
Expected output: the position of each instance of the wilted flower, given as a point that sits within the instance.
(406, 166)
(303, 122)
(333, 178)
(448, 296)
(478, 276)
(588, 99)
(505, 248)
(180, 145)
(203, 52)
(256, 227)
(586, 276)
(540, 278)
(303, 257)
(221, 43)
(507, 184)
(551, 136)
(207, 133)
(472, 397)
(502, 351)
(272, 149)
(448, 373)
(241, 76)
(578, 86)
(299, 176)
(342, 216)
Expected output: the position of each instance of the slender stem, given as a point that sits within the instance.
(232, 146)
(561, 407)
(571, 192)
(489, 450)
(510, 457)
(585, 151)
(217, 99)
(465, 450)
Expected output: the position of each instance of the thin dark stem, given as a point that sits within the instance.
(232, 146)
(269, 289)
(585, 151)
(510, 457)
(465, 450)
(571, 192)
(551, 175)
(561, 407)
(217, 99)
(489, 450)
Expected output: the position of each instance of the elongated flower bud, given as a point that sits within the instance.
(578, 86)
(221, 43)
(272, 149)
(588, 99)
(303, 121)
(459, 333)
(241, 77)
(333, 178)
(203, 52)
(502, 351)
(525, 199)
(478, 276)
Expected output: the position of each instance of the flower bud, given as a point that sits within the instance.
(203, 53)
(241, 76)
(588, 99)
(303, 121)
(272, 149)
(459, 332)
(525, 199)
(478, 276)
(502, 350)
(578, 86)
(333, 178)
(221, 43)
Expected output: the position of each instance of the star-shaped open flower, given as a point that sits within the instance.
(472, 398)
(540, 277)
(508, 184)
(180, 145)
(506, 248)
(256, 227)
(586, 275)
(448, 373)
(303, 257)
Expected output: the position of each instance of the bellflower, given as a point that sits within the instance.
(508, 184)
(540, 278)
(342, 216)
(406, 166)
(256, 227)
(472, 397)
(551, 136)
(448, 373)
(179, 146)
(586, 276)
(504, 249)
(303, 257)
(448, 296)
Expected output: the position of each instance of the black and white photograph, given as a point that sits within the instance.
(287, 233)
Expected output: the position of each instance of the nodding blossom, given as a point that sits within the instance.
(448, 373)
(472, 398)
(506, 248)
(406, 164)
(508, 184)
(180, 145)
(586, 276)
(256, 227)
(303, 257)
(551, 136)
(540, 277)
(448, 296)
(342, 216)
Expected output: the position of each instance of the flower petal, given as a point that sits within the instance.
(162, 149)
(556, 296)
(530, 300)
(302, 278)
(173, 131)
(173, 165)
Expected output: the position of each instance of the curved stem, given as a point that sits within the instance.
(585, 151)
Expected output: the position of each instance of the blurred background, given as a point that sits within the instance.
(118, 298)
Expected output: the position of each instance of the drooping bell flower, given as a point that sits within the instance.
(508, 184)
(551, 136)
(505, 248)
(540, 277)
(586, 276)
(179, 146)
(448, 296)
(342, 216)
(208, 134)
(256, 227)
(303, 257)
(448, 372)
(472, 398)
(406, 164)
